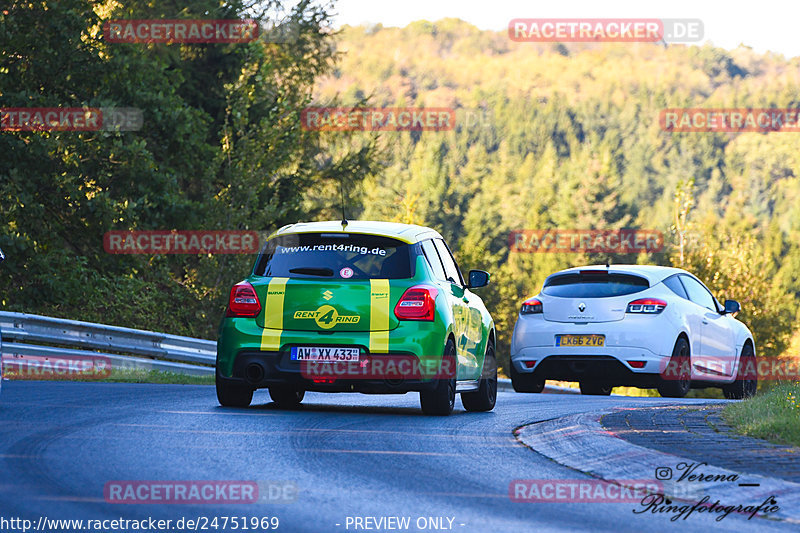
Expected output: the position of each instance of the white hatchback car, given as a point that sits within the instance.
(631, 325)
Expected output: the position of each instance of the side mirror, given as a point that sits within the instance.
(477, 278)
(732, 306)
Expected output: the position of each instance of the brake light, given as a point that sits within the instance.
(529, 364)
(243, 301)
(417, 303)
(637, 364)
(650, 306)
(531, 306)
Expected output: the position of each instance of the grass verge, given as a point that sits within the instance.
(773, 415)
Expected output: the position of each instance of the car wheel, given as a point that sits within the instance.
(233, 394)
(441, 400)
(675, 380)
(485, 397)
(286, 396)
(595, 389)
(525, 382)
(747, 377)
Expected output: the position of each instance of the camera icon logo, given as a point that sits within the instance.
(663, 473)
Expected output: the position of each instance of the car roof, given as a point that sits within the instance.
(409, 233)
(652, 273)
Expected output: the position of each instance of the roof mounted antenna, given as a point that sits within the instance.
(608, 263)
(341, 190)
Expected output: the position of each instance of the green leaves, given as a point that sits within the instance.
(220, 148)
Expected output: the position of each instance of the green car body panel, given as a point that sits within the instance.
(327, 311)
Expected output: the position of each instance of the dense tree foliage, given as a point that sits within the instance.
(221, 148)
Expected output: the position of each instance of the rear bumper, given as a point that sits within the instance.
(646, 341)
(653, 363)
(604, 369)
(268, 369)
(241, 346)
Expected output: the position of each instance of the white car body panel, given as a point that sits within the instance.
(715, 339)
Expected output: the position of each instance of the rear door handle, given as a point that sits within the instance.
(705, 321)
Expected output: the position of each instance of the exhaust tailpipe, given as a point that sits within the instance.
(254, 373)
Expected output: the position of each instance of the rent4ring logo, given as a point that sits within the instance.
(327, 316)
(181, 242)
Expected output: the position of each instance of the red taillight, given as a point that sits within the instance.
(531, 306)
(650, 306)
(243, 301)
(636, 364)
(529, 364)
(417, 303)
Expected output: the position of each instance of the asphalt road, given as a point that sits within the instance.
(347, 455)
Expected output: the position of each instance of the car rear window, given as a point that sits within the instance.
(594, 284)
(336, 256)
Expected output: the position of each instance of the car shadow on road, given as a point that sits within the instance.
(348, 409)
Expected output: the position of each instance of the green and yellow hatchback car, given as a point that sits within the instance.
(370, 307)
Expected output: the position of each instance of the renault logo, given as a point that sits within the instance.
(581, 307)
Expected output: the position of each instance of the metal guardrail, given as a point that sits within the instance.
(59, 337)
(71, 338)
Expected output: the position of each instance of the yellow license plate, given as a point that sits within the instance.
(580, 340)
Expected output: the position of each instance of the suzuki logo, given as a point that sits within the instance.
(327, 295)
(581, 307)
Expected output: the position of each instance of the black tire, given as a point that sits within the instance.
(525, 382)
(485, 397)
(593, 388)
(675, 380)
(746, 382)
(286, 396)
(441, 400)
(233, 394)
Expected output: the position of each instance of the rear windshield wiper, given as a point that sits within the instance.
(312, 271)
